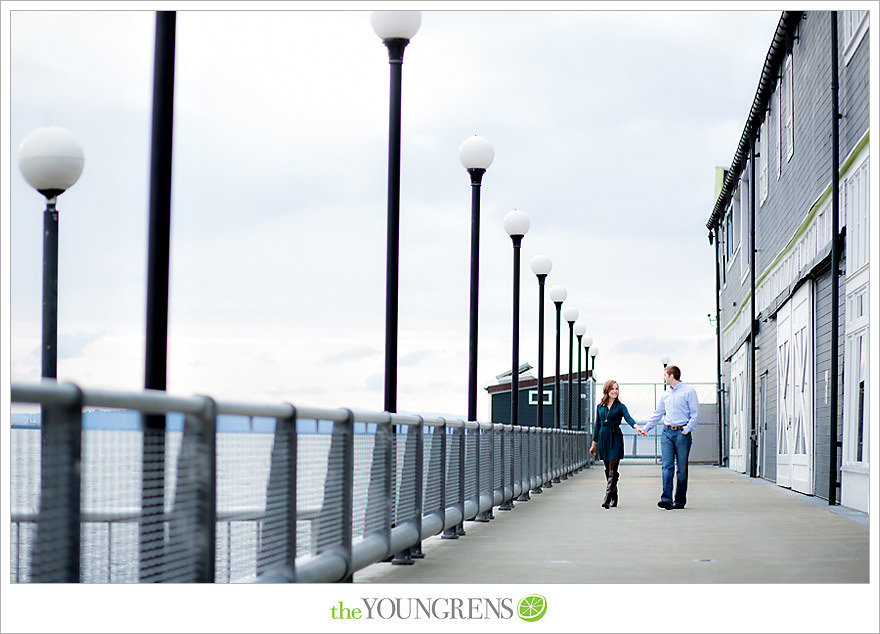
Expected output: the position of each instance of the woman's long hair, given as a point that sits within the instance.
(606, 399)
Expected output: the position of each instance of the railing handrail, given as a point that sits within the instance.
(518, 459)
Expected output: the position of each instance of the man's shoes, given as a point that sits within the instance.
(678, 506)
(663, 504)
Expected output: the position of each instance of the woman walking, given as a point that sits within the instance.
(608, 438)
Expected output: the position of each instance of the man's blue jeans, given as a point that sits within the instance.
(675, 447)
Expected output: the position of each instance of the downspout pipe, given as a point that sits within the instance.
(753, 322)
(835, 263)
(719, 390)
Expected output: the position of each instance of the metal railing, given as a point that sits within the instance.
(296, 494)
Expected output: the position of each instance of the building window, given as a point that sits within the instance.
(745, 260)
(732, 227)
(763, 160)
(855, 25)
(786, 114)
(857, 399)
(855, 206)
(533, 397)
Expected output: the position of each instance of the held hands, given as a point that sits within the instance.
(641, 431)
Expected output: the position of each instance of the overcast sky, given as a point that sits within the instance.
(607, 128)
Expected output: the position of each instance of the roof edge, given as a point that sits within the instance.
(766, 85)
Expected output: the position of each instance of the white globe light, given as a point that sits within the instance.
(51, 160)
(594, 352)
(588, 341)
(541, 265)
(570, 313)
(558, 294)
(476, 153)
(665, 359)
(579, 329)
(396, 24)
(516, 223)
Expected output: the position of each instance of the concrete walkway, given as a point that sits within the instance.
(735, 529)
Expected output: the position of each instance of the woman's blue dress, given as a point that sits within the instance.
(606, 430)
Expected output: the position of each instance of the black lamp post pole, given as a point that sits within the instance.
(541, 279)
(557, 404)
(476, 179)
(396, 48)
(570, 370)
(580, 384)
(151, 528)
(49, 355)
(514, 371)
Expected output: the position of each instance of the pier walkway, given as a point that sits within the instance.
(735, 529)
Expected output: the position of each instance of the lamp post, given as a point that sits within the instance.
(541, 267)
(571, 315)
(591, 406)
(579, 330)
(396, 28)
(594, 353)
(665, 361)
(51, 161)
(557, 296)
(516, 224)
(476, 154)
(588, 341)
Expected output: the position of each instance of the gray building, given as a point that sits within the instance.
(792, 306)
(583, 400)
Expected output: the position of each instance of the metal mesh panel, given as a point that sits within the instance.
(407, 441)
(277, 531)
(453, 460)
(111, 484)
(433, 485)
(470, 463)
(57, 539)
(313, 451)
(24, 481)
(485, 460)
(330, 527)
(252, 473)
(377, 515)
(498, 470)
(364, 519)
(192, 501)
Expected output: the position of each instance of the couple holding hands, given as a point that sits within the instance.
(678, 410)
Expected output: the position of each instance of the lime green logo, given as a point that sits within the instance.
(532, 608)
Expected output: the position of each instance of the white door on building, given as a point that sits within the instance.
(794, 362)
(739, 413)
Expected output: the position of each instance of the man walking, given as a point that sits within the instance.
(678, 410)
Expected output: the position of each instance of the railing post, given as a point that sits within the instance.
(347, 510)
(420, 484)
(280, 523)
(484, 452)
(56, 555)
(193, 516)
(454, 532)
